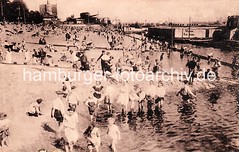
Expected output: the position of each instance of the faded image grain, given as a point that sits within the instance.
(122, 76)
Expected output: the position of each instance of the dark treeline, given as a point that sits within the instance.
(17, 11)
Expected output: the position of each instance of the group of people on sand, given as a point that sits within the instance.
(137, 59)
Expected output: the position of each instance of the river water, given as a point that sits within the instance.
(207, 125)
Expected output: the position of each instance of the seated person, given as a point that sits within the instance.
(42, 41)
(6, 44)
(15, 47)
(135, 67)
(4, 129)
(34, 109)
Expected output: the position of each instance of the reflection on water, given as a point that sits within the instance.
(201, 126)
(208, 124)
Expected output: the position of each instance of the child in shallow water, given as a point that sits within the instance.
(97, 90)
(114, 133)
(92, 134)
(92, 104)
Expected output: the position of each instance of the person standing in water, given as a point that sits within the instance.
(235, 67)
(160, 93)
(92, 134)
(109, 96)
(98, 90)
(114, 133)
(150, 92)
(123, 98)
(182, 52)
(209, 58)
(69, 126)
(191, 69)
(216, 67)
(92, 104)
(186, 93)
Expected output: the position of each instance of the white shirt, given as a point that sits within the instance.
(71, 121)
(210, 54)
(33, 107)
(109, 90)
(73, 98)
(105, 57)
(91, 100)
(6, 43)
(161, 91)
(74, 57)
(59, 105)
(4, 124)
(114, 132)
(151, 90)
(188, 89)
(68, 85)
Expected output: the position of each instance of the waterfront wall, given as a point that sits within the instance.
(194, 32)
(182, 32)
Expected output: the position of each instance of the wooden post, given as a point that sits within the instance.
(189, 28)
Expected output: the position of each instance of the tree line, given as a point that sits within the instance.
(17, 11)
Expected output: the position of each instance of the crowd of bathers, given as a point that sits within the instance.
(142, 54)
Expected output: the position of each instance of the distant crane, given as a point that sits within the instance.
(189, 27)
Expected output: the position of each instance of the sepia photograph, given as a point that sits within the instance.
(119, 75)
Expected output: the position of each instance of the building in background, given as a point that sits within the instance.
(233, 27)
(85, 18)
(89, 19)
(49, 12)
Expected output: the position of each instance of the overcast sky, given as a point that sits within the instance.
(150, 10)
